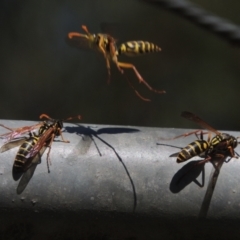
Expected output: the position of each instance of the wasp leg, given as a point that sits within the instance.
(86, 29)
(232, 152)
(137, 93)
(129, 83)
(49, 145)
(60, 132)
(203, 179)
(208, 158)
(11, 129)
(107, 61)
(141, 80)
(109, 70)
(76, 34)
(71, 118)
(44, 116)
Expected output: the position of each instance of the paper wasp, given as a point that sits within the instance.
(32, 148)
(221, 145)
(106, 44)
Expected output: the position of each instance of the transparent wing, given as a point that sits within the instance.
(29, 170)
(12, 144)
(192, 117)
(40, 143)
(18, 132)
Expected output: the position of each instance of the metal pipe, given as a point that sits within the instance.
(118, 182)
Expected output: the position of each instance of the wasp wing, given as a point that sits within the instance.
(192, 117)
(12, 144)
(18, 132)
(29, 170)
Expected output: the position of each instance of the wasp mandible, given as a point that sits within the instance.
(106, 44)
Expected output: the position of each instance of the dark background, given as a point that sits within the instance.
(41, 73)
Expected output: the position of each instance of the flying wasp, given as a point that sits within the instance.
(106, 44)
(221, 145)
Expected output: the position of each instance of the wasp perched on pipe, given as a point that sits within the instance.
(106, 44)
(47, 132)
(32, 148)
(221, 145)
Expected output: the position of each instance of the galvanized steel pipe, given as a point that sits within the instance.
(118, 182)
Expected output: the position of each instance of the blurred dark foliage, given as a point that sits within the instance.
(41, 73)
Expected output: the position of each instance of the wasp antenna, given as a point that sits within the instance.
(44, 116)
(75, 34)
(70, 118)
(85, 29)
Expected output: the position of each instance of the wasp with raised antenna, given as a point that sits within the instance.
(221, 145)
(106, 44)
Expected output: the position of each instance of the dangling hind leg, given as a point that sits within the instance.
(141, 80)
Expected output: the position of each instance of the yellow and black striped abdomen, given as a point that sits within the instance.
(22, 155)
(133, 48)
(193, 149)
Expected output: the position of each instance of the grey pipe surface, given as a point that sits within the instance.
(118, 182)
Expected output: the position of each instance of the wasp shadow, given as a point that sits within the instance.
(187, 174)
(89, 134)
(79, 130)
(190, 172)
